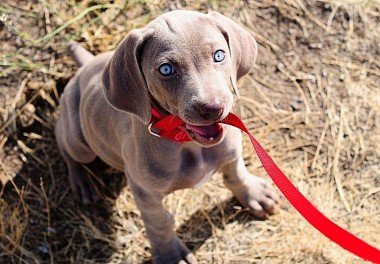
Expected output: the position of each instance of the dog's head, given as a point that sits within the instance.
(184, 63)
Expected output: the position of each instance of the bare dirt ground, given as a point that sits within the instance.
(312, 100)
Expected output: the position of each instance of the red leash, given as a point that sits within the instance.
(170, 127)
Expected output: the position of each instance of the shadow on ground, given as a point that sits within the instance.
(51, 226)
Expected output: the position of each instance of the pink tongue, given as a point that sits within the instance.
(205, 131)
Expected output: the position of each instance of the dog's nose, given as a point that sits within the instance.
(210, 111)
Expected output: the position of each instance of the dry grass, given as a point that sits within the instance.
(312, 100)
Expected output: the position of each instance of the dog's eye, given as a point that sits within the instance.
(219, 56)
(166, 69)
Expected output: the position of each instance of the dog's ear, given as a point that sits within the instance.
(124, 84)
(243, 47)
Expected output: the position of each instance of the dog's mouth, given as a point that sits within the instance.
(205, 135)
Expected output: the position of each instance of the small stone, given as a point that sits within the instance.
(43, 249)
(26, 116)
(296, 105)
(3, 20)
(51, 230)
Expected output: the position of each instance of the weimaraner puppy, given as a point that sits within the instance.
(183, 63)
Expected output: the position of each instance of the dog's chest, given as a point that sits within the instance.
(171, 166)
(197, 165)
(199, 160)
(193, 166)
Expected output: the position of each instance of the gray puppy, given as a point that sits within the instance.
(183, 63)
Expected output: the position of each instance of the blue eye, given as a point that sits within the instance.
(166, 69)
(219, 56)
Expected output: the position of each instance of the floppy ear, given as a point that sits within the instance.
(123, 81)
(243, 47)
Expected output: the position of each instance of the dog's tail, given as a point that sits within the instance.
(80, 55)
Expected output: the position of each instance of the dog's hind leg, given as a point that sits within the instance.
(83, 187)
(73, 146)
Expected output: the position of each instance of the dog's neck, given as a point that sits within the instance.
(156, 105)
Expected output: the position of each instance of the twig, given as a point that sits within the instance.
(320, 142)
(30, 151)
(350, 65)
(46, 16)
(335, 169)
(310, 15)
(13, 11)
(48, 216)
(331, 17)
(19, 93)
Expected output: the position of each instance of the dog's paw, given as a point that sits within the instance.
(84, 189)
(258, 196)
(173, 253)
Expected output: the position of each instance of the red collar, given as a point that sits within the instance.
(171, 127)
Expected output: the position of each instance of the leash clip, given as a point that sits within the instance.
(152, 132)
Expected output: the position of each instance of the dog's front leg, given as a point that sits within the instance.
(251, 191)
(166, 246)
